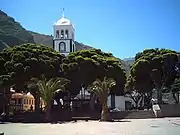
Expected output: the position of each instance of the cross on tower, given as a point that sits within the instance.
(63, 13)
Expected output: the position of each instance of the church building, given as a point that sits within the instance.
(63, 40)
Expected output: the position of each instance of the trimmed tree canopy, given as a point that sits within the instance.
(154, 66)
(84, 67)
(30, 60)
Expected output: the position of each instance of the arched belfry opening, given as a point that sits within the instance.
(57, 34)
(62, 34)
(66, 34)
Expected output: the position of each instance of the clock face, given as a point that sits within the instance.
(62, 46)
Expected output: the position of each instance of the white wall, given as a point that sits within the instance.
(119, 102)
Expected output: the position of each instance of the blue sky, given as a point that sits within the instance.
(123, 27)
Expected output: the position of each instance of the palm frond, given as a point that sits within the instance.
(35, 80)
(48, 88)
(102, 88)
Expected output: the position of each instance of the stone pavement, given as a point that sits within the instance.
(161, 126)
(175, 121)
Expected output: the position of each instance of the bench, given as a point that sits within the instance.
(80, 118)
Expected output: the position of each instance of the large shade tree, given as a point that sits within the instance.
(154, 68)
(26, 61)
(85, 66)
(139, 84)
(102, 88)
(175, 89)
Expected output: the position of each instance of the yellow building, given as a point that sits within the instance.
(24, 102)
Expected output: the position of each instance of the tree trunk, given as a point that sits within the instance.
(136, 103)
(48, 112)
(141, 102)
(37, 103)
(176, 97)
(7, 100)
(136, 100)
(159, 96)
(92, 101)
(105, 115)
(147, 100)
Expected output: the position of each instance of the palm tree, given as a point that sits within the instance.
(47, 90)
(101, 89)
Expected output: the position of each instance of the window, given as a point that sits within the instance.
(62, 33)
(62, 47)
(57, 34)
(66, 34)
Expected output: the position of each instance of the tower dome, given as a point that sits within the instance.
(63, 21)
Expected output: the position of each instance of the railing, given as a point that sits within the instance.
(16, 107)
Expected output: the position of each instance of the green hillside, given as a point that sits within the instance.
(12, 33)
(42, 39)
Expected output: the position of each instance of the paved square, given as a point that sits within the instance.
(165, 126)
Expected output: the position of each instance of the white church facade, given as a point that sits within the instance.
(63, 31)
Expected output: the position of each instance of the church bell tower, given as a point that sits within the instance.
(63, 40)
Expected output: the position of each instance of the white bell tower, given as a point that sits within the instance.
(63, 41)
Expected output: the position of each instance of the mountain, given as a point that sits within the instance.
(125, 65)
(129, 61)
(12, 33)
(81, 46)
(42, 39)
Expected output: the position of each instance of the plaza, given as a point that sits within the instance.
(163, 126)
